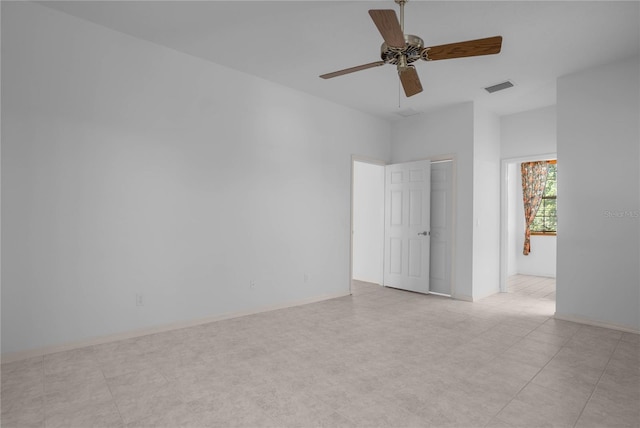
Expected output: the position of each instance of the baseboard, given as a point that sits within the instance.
(439, 294)
(595, 323)
(369, 282)
(462, 297)
(542, 275)
(39, 352)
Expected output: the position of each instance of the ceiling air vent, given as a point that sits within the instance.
(499, 87)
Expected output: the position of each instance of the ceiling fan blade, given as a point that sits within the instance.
(488, 46)
(352, 69)
(410, 81)
(389, 26)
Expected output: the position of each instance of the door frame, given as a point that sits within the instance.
(454, 192)
(504, 208)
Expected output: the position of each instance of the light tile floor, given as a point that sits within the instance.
(379, 358)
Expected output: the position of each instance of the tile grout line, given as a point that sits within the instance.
(596, 384)
(495, 314)
(112, 397)
(532, 377)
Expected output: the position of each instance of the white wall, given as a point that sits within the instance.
(598, 149)
(448, 131)
(472, 135)
(528, 135)
(512, 223)
(541, 260)
(368, 222)
(131, 168)
(486, 203)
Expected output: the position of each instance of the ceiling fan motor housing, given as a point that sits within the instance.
(412, 50)
(402, 49)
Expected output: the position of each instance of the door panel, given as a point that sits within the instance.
(415, 258)
(415, 207)
(407, 225)
(396, 208)
(395, 256)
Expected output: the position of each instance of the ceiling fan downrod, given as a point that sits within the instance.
(402, 59)
(401, 3)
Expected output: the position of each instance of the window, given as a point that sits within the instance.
(546, 220)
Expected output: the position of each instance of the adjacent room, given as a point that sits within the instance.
(320, 213)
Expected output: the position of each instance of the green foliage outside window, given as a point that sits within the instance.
(546, 220)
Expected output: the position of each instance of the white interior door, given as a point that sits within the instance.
(407, 225)
(441, 213)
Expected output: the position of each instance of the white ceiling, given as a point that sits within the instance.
(292, 42)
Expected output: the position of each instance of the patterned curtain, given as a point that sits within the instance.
(534, 180)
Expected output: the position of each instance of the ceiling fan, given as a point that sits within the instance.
(402, 49)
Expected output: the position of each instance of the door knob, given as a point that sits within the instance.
(425, 233)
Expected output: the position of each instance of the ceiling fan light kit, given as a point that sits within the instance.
(402, 50)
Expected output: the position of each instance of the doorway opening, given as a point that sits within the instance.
(532, 274)
(367, 218)
(368, 225)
